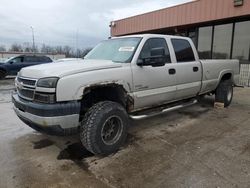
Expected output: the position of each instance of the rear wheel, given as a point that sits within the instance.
(2, 74)
(224, 92)
(104, 128)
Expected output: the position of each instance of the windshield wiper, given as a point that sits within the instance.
(115, 61)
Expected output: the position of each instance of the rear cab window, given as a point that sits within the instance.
(183, 50)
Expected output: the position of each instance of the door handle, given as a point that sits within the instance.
(195, 69)
(171, 71)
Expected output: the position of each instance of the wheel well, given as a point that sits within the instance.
(227, 76)
(109, 92)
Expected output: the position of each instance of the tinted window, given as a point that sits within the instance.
(154, 43)
(44, 59)
(31, 59)
(241, 49)
(183, 50)
(205, 42)
(17, 60)
(222, 41)
(47, 59)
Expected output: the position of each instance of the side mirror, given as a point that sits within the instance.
(157, 58)
(11, 62)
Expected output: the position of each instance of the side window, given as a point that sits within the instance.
(17, 60)
(183, 50)
(41, 59)
(154, 43)
(30, 59)
(44, 59)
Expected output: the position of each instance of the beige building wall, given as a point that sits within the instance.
(199, 11)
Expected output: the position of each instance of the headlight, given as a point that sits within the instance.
(47, 82)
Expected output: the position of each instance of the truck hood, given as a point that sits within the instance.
(66, 68)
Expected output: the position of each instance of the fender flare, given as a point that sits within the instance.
(224, 72)
(84, 89)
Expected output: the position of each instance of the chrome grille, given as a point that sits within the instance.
(26, 81)
(26, 93)
(26, 87)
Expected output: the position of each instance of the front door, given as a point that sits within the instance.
(14, 65)
(153, 86)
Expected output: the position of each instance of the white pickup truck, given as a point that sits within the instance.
(132, 76)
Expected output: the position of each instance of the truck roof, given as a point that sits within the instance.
(150, 36)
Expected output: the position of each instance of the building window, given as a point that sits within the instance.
(241, 49)
(193, 35)
(222, 41)
(183, 50)
(205, 42)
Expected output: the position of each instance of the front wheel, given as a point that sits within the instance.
(224, 92)
(104, 128)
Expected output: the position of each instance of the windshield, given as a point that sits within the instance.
(6, 60)
(117, 50)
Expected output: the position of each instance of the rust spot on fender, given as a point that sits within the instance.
(130, 103)
(129, 100)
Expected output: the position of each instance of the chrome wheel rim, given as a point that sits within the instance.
(111, 130)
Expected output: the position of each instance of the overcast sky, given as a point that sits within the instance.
(57, 22)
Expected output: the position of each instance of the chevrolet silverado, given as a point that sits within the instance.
(134, 76)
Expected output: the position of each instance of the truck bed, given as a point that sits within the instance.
(213, 71)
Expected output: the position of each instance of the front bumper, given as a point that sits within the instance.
(54, 119)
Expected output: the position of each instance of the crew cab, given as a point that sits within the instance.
(125, 77)
(13, 65)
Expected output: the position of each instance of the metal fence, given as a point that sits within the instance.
(244, 75)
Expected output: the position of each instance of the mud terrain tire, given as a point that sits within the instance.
(103, 129)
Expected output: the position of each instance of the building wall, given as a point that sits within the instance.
(218, 29)
(195, 12)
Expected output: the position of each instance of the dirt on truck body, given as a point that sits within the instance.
(123, 78)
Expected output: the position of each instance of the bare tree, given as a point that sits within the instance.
(47, 49)
(2, 48)
(27, 47)
(44, 49)
(85, 52)
(67, 50)
(16, 48)
(59, 49)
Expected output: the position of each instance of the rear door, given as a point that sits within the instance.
(188, 69)
(153, 85)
